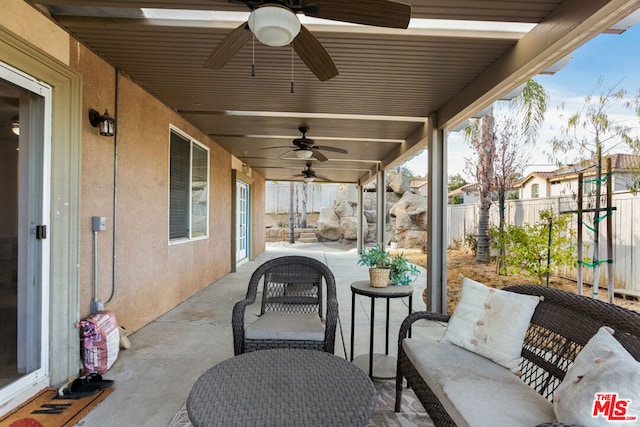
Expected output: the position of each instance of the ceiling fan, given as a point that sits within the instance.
(305, 148)
(309, 175)
(274, 23)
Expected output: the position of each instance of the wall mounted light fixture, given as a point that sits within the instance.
(105, 122)
(15, 126)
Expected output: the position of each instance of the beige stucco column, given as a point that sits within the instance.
(381, 201)
(361, 233)
(437, 220)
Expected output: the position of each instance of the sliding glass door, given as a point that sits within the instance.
(25, 111)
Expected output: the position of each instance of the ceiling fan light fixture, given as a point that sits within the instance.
(303, 154)
(307, 179)
(274, 25)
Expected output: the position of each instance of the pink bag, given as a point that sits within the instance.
(99, 342)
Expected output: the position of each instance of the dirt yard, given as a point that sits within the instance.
(461, 263)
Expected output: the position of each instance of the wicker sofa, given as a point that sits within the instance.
(481, 392)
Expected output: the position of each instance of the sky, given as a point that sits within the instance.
(613, 57)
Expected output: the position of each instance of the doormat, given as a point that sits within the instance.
(48, 410)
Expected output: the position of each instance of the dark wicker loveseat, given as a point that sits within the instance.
(561, 325)
(300, 293)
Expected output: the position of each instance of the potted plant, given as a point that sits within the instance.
(402, 272)
(379, 262)
(393, 242)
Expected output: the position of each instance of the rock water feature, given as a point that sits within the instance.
(405, 217)
(406, 214)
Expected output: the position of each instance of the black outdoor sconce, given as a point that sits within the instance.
(105, 122)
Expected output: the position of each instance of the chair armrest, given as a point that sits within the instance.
(237, 325)
(418, 315)
(331, 322)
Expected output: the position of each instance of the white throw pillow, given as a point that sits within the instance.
(491, 322)
(603, 371)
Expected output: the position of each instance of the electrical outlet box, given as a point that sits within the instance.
(99, 223)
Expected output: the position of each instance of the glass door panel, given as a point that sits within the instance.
(24, 188)
(242, 212)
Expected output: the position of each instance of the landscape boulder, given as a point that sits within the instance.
(370, 215)
(410, 215)
(328, 224)
(347, 193)
(400, 183)
(349, 227)
(344, 209)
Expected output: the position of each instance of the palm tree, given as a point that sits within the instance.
(500, 144)
(481, 136)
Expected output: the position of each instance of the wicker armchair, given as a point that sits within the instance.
(292, 311)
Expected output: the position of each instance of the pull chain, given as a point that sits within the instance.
(253, 57)
(292, 87)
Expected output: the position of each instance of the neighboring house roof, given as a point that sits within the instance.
(542, 175)
(465, 189)
(619, 163)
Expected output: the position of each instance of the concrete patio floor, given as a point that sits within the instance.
(153, 378)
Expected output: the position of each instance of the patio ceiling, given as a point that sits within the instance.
(390, 81)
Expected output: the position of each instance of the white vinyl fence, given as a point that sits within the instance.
(463, 220)
(318, 196)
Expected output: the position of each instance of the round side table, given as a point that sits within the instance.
(379, 366)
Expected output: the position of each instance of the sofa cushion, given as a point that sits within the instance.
(491, 322)
(474, 390)
(602, 367)
(286, 326)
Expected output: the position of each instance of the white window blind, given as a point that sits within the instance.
(188, 188)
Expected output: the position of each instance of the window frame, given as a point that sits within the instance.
(535, 191)
(190, 208)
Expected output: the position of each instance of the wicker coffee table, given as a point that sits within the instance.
(282, 387)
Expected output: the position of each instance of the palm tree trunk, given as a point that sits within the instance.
(303, 220)
(485, 176)
(291, 219)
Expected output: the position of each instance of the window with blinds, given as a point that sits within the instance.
(188, 188)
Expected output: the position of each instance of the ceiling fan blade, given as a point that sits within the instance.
(319, 156)
(334, 149)
(228, 47)
(279, 146)
(381, 13)
(283, 155)
(314, 55)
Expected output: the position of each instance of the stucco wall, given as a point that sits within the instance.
(152, 274)
(543, 188)
(20, 18)
(259, 216)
